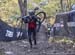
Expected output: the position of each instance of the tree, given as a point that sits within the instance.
(8, 8)
(23, 7)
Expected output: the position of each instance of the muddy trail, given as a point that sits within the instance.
(43, 47)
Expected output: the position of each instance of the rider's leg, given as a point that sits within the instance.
(34, 36)
(29, 37)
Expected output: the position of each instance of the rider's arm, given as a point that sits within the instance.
(37, 19)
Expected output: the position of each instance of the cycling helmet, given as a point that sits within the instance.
(31, 12)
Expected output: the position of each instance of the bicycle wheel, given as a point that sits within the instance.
(41, 16)
(19, 23)
(19, 27)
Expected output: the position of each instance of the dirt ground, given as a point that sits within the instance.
(43, 47)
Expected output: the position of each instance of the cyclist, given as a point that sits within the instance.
(32, 26)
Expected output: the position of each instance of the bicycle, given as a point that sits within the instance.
(41, 16)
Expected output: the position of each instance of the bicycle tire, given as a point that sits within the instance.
(41, 20)
(20, 25)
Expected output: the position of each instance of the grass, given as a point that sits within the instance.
(61, 40)
(2, 52)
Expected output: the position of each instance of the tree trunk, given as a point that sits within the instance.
(23, 7)
(61, 3)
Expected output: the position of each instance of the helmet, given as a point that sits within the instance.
(31, 12)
